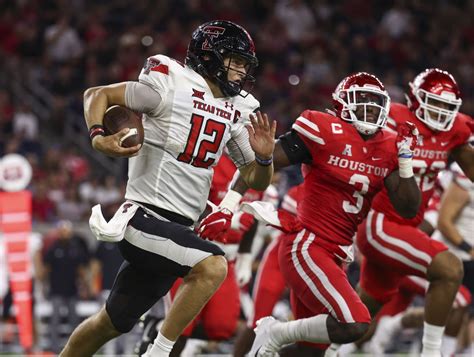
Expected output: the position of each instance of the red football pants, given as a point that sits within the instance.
(409, 287)
(317, 279)
(392, 251)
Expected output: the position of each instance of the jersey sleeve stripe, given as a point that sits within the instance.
(162, 68)
(308, 134)
(308, 123)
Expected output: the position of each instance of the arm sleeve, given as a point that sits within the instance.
(240, 150)
(141, 97)
(295, 148)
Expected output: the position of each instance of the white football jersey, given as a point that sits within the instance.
(184, 138)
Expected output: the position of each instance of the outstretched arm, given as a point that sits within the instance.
(280, 160)
(289, 149)
(258, 174)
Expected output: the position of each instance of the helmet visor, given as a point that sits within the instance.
(439, 111)
(368, 105)
(239, 69)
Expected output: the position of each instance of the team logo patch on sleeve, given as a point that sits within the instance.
(155, 65)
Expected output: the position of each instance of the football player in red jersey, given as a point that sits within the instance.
(392, 245)
(350, 158)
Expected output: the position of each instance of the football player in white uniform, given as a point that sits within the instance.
(191, 111)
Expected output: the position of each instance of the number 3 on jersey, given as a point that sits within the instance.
(358, 194)
(199, 145)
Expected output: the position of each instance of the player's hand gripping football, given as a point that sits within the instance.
(110, 145)
(262, 135)
(406, 140)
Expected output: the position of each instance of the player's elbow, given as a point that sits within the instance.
(91, 92)
(409, 210)
(408, 213)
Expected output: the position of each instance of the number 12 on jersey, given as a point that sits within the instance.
(202, 141)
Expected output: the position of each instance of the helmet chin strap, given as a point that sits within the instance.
(227, 87)
(361, 126)
(365, 128)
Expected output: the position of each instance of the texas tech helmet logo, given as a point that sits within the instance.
(211, 32)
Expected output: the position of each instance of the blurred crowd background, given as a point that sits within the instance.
(52, 50)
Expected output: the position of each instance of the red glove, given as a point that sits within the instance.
(288, 222)
(215, 225)
(407, 139)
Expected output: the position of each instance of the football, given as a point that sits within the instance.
(117, 118)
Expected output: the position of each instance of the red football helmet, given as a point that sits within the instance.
(362, 99)
(435, 98)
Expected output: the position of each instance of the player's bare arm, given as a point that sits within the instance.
(464, 156)
(96, 102)
(454, 200)
(404, 194)
(134, 95)
(258, 174)
(280, 160)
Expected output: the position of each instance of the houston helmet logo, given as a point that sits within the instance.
(212, 32)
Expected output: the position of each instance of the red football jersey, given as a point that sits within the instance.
(429, 158)
(345, 174)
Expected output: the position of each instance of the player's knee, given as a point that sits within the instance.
(446, 266)
(340, 332)
(116, 321)
(355, 331)
(213, 269)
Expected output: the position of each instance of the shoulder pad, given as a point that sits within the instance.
(160, 72)
(313, 125)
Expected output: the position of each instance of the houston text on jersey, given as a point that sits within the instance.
(357, 166)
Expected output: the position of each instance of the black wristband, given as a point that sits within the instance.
(264, 162)
(465, 246)
(96, 130)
